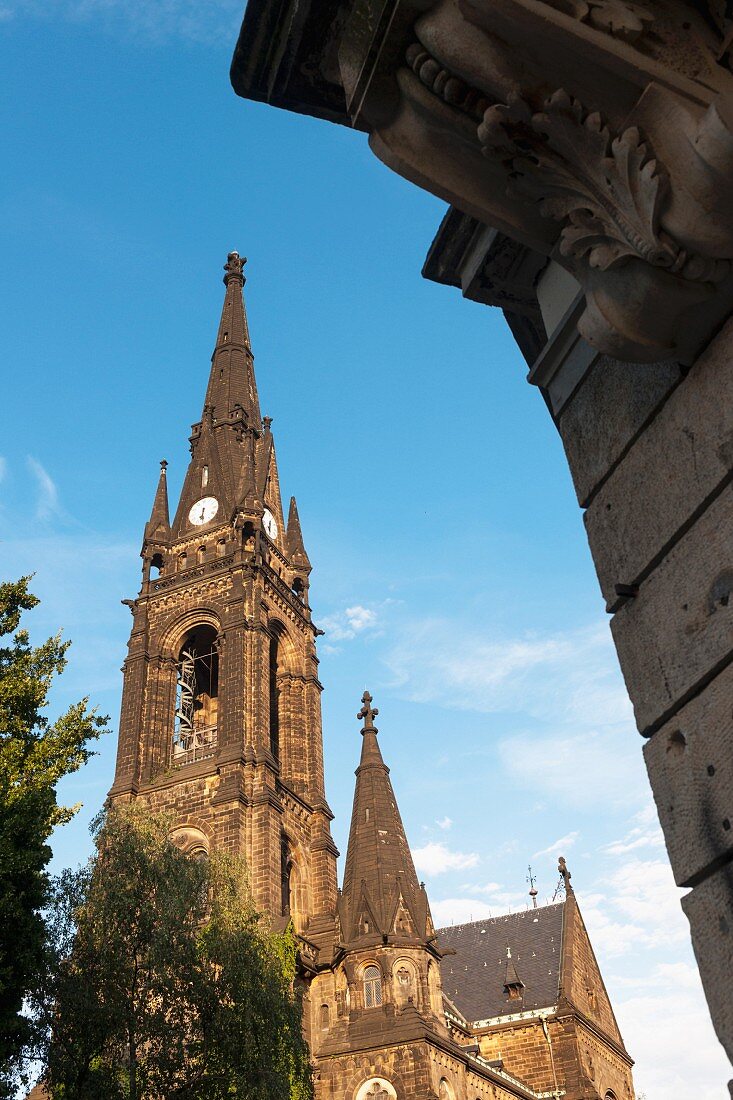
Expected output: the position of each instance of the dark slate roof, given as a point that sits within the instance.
(474, 977)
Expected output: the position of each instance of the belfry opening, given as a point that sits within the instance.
(197, 696)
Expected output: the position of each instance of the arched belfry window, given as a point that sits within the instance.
(197, 697)
(372, 987)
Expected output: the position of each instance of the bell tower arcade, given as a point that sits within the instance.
(221, 721)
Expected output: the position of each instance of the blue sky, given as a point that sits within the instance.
(451, 572)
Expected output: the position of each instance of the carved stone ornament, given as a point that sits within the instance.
(624, 177)
(604, 189)
(638, 192)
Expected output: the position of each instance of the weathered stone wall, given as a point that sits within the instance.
(651, 454)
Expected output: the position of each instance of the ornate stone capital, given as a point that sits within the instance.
(598, 133)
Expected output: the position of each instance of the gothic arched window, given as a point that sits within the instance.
(372, 987)
(197, 697)
(325, 1017)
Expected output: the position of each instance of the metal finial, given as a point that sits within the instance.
(368, 713)
(532, 879)
(266, 422)
(164, 464)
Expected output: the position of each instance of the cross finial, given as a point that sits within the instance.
(368, 713)
(233, 267)
(565, 874)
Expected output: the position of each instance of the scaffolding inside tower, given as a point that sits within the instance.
(197, 703)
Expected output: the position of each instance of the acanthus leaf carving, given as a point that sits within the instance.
(606, 189)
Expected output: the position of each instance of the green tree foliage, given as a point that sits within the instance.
(34, 755)
(170, 986)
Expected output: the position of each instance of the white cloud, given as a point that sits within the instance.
(680, 1056)
(444, 823)
(638, 907)
(571, 768)
(47, 503)
(348, 623)
(573, 675)
(437, 858)
(559, 847)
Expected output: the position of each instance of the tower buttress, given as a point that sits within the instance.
(221, 719)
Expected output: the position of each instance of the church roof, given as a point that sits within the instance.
(475, 976)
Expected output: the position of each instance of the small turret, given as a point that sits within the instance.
(381, 898)
(296, 549)
(158, 527)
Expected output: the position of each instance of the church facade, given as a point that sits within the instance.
(221, 728)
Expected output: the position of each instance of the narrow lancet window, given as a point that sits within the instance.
(197, 697)
(286, 878)
(274, 698)
(204, 476)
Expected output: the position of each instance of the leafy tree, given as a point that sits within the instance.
(34, 755)
(171, 986)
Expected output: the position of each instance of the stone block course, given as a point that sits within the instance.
(709, 909)
(606, 414)
(687, 601)
(678, 463)
(690, 765)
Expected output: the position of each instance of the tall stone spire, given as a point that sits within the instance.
(232, 381)
(224, 443)
(158, 528)
(381, 895)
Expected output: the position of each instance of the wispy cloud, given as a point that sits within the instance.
(572, 675)
(645, 833)
(558, 847)
(346, 624)
(684, 1050)
(444, 823)
(437, 858)
(574, 768)
(204, 21)
(47, 501)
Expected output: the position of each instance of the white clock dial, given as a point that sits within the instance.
(203, 511)
(268, 522)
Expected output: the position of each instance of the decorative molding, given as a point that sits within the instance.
(605, 189)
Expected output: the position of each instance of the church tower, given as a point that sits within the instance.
(221, 719)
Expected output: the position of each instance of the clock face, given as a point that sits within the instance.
(203, 511)
(268, 522)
